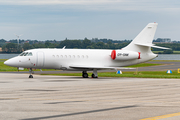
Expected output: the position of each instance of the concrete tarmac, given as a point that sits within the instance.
(76, 98)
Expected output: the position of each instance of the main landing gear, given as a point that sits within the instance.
(84, 74)
(31, 72)
(94, 75)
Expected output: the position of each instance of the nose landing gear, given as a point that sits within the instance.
(30, 76)
(31, 72)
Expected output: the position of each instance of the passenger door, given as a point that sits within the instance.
(40, 59)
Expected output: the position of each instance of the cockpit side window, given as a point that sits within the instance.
(29, 54)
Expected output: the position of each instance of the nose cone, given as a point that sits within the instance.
(11, 62)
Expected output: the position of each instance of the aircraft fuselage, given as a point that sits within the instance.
(62, 59)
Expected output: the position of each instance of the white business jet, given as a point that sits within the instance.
(138, 51)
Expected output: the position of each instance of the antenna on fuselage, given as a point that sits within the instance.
(64, 47)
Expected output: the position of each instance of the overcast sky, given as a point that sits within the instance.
(77, 19)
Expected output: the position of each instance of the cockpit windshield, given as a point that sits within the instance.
(26, 54)
(22, 54)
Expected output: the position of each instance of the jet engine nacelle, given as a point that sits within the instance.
(124, 55)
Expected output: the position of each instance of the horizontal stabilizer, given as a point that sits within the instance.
(161, 47)
(151, 45)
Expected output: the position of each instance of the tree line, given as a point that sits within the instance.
(13, 47)
(73, 44)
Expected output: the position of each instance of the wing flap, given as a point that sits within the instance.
(98, 67)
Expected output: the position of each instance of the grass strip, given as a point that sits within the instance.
(142, 74)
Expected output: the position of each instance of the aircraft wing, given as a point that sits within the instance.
(98, 67)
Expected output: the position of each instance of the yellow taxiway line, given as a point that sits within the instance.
(163, 116)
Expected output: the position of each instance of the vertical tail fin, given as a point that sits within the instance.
(143, 41)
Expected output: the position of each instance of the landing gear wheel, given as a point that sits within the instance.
(30, 76)
(93, 76)
(84, 74)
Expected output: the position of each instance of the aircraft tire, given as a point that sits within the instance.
(93, 76)
(85, 75)
(30, 76)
